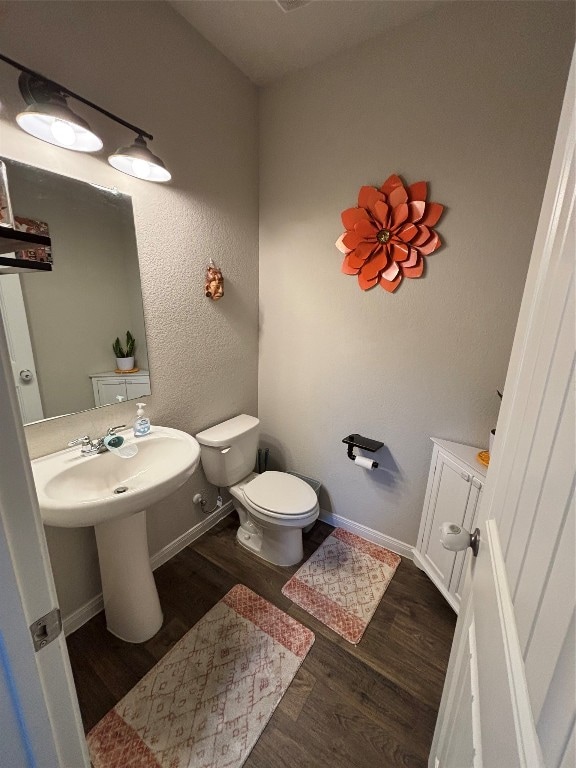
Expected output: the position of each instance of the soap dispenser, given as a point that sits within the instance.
(142, 423)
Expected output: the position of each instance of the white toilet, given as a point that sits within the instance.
(273, 507)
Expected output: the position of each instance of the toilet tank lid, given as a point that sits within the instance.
(224, 434)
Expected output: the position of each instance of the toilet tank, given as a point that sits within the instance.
(228, 450)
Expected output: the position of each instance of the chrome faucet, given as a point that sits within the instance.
(91, 447)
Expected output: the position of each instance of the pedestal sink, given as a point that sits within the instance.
(112, 494)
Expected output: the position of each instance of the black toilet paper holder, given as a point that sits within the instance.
(365, 443)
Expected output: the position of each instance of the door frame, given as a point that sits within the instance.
(43, 702)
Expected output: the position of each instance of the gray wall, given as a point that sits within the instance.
(467, 98)
(153, 70)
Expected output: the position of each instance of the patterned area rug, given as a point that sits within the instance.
(343, 582)
(205, 704)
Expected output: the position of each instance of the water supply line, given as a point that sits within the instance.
(198, 498)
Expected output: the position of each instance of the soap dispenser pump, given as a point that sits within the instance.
(142, 423)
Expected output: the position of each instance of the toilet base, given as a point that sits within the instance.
(280, 545)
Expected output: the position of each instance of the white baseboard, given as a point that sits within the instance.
(81, 615)
(189, 536)
(394, 545)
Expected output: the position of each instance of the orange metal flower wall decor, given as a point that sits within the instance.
(389, 233)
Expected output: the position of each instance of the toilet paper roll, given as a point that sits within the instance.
(365, 463)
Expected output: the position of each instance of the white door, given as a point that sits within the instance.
(40, 725)
(13, 311)
(509, 698)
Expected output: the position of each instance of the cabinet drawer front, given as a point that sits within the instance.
(448, 502)
(108, 390)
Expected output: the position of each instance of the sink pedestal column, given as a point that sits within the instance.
(131, 601)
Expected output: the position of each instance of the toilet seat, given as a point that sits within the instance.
(280, 495)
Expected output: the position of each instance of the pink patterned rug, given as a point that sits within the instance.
(343, 582)
(205, 704)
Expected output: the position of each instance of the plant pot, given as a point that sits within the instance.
(125, 363)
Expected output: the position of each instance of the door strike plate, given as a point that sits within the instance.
(46, 629)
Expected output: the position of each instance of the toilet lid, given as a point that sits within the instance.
(281, 493)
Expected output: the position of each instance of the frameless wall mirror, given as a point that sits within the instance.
(61, 324)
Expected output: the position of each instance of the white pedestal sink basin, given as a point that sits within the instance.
(112, 494)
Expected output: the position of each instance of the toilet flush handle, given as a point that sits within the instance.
(225, 450)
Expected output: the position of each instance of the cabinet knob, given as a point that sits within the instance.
(465, 476)
(26, 375)
(456, 539)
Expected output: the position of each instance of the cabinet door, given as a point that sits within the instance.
(472, 508)
(448, 504)
(109, 389)
(136, 388)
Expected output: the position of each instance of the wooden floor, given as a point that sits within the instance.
(373, 705)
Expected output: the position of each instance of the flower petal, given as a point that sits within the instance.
(391, 272)
(416, 270)
(352, 215)
(399, 216)
(347, 269)
(382, 212)
(391, 285)
(406, 232)
(391, 183)
(375, 265)
(433, 213)
(422, 236)
(366, 229)
(351, 240)
(362, 254)
(432, 245)
(418, 191)
(399, 251)
(398, 196)
(416, 211)
(340, 245)
(368, 196)
(366, 283)
(412, 259)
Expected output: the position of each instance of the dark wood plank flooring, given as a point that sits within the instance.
(365, 706)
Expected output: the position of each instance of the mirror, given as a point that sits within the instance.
(61, 325)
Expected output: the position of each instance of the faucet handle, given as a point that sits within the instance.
(112, 430)
(84, 441)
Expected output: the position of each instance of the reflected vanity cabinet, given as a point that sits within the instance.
(109, 386)
(453, 495)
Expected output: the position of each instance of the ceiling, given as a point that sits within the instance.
(266, 42)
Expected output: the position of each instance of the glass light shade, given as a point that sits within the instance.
(138, 161)
(57, 124)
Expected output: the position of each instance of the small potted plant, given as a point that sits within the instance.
(125, 357)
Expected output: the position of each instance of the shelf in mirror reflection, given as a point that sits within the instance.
(61, 324)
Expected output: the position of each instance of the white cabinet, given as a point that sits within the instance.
(453, 495)
(109, 386)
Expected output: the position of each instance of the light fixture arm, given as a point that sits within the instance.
(62, 90)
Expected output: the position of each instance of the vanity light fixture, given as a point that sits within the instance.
(137, 160)
(49, 118)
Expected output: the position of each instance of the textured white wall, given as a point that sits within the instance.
(144, 63)
(467, 98)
